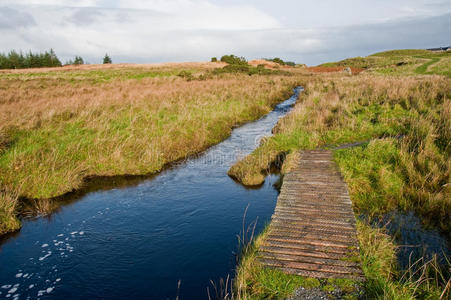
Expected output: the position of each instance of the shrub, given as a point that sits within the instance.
(214, 59)
(260, 70)
(186, 75)
(234, 60)
(281, 62)
(278, 61)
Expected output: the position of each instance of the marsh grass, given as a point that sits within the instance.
(412, 173)
(59, 127)
(385, 173)
(422, 280)
(401, 62)
(8, 205)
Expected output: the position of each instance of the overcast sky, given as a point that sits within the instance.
(309, 32)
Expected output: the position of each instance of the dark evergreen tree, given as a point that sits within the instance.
(16, 60)
(107, 59)
(78, 60)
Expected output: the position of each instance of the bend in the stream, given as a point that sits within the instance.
(138, 241)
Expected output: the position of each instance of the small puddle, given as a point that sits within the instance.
(414, 240)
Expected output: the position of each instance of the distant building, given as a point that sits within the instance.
(440, 49)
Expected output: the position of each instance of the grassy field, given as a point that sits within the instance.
(401, 62)
(404, 165)
(59, 126)
(411, 173)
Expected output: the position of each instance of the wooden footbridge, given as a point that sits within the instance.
(313, 232)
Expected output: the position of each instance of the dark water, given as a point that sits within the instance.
(138, 242)
(416, 242)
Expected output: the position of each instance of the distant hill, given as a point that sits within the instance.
(408, 61)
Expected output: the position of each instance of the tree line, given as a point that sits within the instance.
(19, 60)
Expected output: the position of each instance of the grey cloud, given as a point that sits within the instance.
(328, 44)
(136, 43)
(442, 5)
(366, 39)
(11, 18)
(85, 16)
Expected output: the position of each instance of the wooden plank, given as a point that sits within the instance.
(313, 231)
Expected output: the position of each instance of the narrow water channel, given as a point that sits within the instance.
(139, 242)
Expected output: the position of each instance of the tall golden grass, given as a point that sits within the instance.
(57, 128)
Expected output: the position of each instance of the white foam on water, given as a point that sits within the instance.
(16, 285)
(40, 293)
(8, 295)
(74, 232)
(58, 280)
(45, 256)
(60, 235)
(44, 245)
(18, 275)
(6, 286)
(13, 290)
(25, 275)
(82, 232)
(66, 239)
(49, 290)
(31, 286)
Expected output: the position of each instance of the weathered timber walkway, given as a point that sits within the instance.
(313, 232)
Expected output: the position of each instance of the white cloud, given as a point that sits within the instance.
(66, 3)
(181, 30)
(143, 28)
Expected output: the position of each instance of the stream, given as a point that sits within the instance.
(160, 238)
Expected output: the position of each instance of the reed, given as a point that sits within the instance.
(8, 205)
